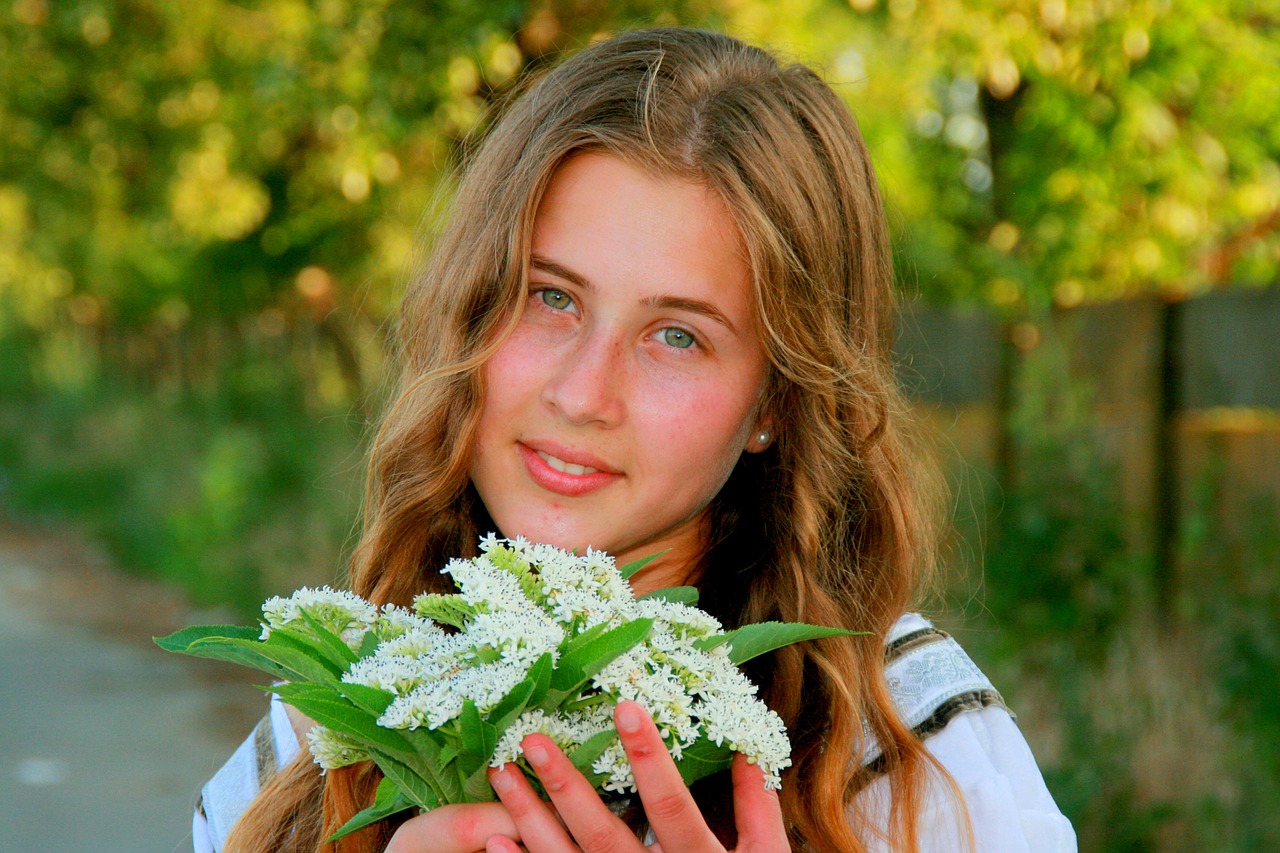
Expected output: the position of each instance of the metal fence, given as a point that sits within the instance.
(1175, 387)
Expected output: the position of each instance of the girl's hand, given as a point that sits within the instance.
(582, 822)
(460, 828)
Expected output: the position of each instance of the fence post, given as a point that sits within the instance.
(1167, 462)
(1002, 404)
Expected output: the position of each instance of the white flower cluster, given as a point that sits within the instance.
(343, 613)
(568, 729)
(331, 750)
(518, 602)
(691, 694)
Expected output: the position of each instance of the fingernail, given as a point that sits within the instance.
(501, 780)
(629, 718)
(536, 754)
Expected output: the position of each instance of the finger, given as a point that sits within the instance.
(538, 823)
(595, 829)
(757, 811)
(672, 812)
(462, 828)
(501, 844)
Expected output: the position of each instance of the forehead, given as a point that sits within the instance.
(611, 221)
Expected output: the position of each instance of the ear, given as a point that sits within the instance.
(762, 436)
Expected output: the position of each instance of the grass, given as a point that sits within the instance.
(229, 496)
(1154, 735)
(1151, 737)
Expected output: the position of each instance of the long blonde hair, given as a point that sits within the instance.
(831, 525)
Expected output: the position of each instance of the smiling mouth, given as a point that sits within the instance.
(565, 467)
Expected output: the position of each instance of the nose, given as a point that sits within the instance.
(588, 384)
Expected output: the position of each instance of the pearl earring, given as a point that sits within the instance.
(762, 438)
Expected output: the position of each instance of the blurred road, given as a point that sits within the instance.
(104, 739)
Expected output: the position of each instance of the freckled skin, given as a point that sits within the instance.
(597, 367)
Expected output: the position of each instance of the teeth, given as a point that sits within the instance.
(566, 467)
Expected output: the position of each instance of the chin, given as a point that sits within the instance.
(564, 537)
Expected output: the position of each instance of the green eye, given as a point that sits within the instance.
(678, 338)
(556, 299)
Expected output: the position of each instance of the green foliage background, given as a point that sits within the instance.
(207, 211)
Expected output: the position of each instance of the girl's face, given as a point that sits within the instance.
(619, 405)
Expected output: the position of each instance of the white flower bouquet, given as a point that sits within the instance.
(536, 639)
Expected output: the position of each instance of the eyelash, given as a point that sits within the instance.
(540, 292)
(543, 291)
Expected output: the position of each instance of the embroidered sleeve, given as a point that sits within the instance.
(947, 701)
(226, 796)
(931, 680)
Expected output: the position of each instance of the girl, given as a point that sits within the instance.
(659, 320)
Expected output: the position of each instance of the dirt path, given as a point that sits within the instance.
(104, 739)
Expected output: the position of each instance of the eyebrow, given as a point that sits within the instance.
(674, 303)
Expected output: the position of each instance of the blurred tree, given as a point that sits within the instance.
(1056, 151)
(163, 164)
(253, 168)
(223, 198)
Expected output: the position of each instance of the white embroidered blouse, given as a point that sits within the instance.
(939, 692)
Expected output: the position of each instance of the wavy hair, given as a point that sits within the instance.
(831, 525)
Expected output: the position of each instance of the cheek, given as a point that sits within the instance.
(702, 429)
(509, 375)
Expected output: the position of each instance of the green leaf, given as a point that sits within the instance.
(225, 643)
(706, 644)
(368, 645)
(414, 787)
(477, 787)
(306, 690)
(577, 666)
(579, 640)
(585, 753)
(751, 641)
(329, 708)
(487, 654)
(479, 737)
(368, 699)
(636, 565)
(675, 594)
(511, 706)
(292, 641)
(528, 692)
(388, 800)
(702, 758)
(280, 655)
(181, 641)
(445, 608)
(540, 675)
(434, 751)
(338, 652)
(298, 660)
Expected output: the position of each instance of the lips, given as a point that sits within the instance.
(565, 467)
(567, 472)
